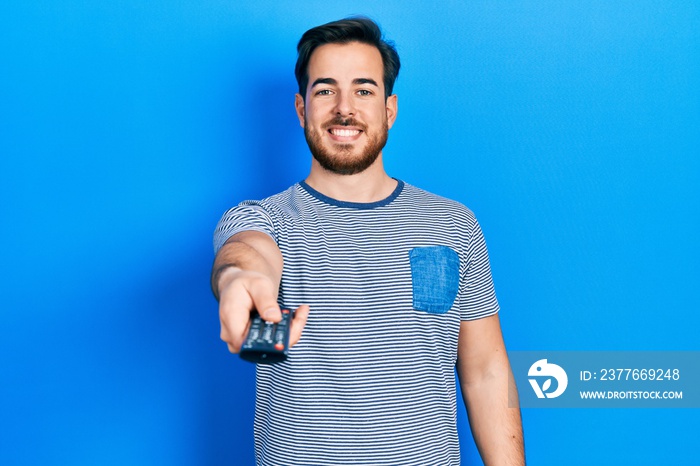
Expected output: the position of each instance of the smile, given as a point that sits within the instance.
(344, 133)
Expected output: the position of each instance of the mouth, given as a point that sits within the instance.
(344, 134)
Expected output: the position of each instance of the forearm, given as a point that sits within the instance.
(494, 416)
(248, 251)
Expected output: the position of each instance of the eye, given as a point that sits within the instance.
(364, 92)
(324, 92)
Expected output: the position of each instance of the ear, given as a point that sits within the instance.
(300, 107)
(392, 108)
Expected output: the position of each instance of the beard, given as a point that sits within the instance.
(341, 160)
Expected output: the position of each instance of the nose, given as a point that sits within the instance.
(344, 105)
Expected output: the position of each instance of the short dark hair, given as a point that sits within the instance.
(354, 29)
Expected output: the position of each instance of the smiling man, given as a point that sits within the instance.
(391, 287)
(348, 117)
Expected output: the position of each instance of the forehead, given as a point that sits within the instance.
(346, 61)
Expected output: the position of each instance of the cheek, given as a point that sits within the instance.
(313, 117)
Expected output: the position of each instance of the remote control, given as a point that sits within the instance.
(267, 342)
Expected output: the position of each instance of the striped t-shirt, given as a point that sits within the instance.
(371, 382)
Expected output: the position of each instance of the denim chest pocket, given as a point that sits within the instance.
(435, 278)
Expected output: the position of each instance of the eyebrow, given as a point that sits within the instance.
(355, 81)
(365, 81)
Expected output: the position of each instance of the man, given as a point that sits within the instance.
(391, 287)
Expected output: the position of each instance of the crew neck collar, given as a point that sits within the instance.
(354, 205)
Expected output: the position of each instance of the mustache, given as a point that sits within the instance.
(340, 121)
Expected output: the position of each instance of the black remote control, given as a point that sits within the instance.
(267, 342)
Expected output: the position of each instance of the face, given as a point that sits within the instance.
(345, 116)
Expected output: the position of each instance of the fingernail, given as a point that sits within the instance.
(269, 313)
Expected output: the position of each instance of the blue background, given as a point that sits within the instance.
(572, 129)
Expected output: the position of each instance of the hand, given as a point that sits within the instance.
(242, 292)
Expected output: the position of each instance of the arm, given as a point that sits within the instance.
(246, 277)
(486, 383)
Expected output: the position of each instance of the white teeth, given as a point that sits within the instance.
(345, 132)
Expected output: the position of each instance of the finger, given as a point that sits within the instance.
(234, 339)
(265, 301)
(234, 313)
(298, 323)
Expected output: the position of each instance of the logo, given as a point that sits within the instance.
(542, 369)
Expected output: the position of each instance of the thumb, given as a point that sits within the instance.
(298, 323)
(265, 303)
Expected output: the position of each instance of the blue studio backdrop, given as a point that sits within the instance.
(571, 129)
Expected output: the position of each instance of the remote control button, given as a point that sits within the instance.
(268, 331)
(279, 346)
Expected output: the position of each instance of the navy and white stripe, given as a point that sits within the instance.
(371, 381)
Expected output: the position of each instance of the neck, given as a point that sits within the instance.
(370, 185)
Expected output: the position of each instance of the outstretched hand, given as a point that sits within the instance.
(241, 293)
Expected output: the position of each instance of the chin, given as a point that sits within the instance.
(345, 159)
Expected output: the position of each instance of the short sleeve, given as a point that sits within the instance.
(246, 216)
(478, 296)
